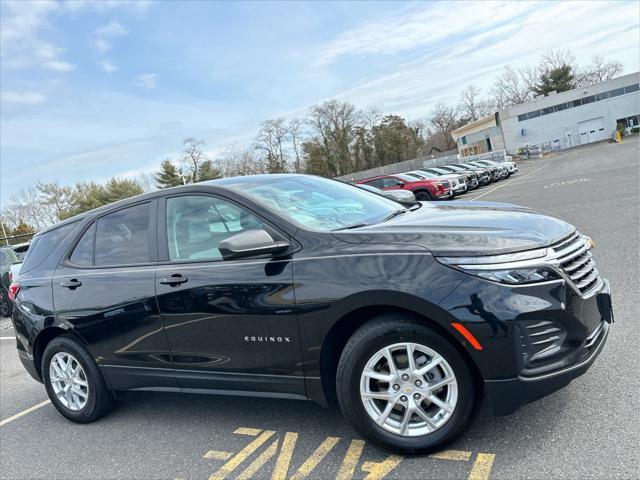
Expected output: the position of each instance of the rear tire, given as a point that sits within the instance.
(423, 196)
(414, 423)
(74, 382)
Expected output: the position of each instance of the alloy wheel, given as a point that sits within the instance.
(69, 381)
(408, 389)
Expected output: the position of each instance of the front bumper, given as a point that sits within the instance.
(507, 395)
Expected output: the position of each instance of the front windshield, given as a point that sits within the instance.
(406, 178)
(320, 204)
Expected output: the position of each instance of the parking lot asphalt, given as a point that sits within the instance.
(587, 430)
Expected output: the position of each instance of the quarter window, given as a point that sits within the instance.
(122, 237)
(83, 252)
(43, 245)
(196, 224)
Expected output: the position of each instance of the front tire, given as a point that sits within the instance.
(73, 381)
(403, 386)
(423, 196)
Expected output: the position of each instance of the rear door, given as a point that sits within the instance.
(231, 324)
(105, 289)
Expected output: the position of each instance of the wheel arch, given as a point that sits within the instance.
(44, 338)
(340, 332)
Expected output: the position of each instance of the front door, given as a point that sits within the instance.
(105, 289)
(231, 324)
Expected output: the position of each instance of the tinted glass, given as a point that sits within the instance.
(196, 224)
(632, 88)
(43, 245)
(377, 182)
(589, 99)
(321, 204)
(122, 237)
(83, 252)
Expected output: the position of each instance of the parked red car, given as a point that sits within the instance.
(426, 189)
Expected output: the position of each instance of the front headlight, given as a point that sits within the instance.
(518, 275)
(513, 268)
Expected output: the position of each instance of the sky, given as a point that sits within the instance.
(90, 90)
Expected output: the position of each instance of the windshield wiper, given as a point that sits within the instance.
(349, 227)
(395, 214)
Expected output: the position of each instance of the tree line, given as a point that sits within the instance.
(335, 138)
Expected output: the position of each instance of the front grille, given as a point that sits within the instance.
(573, 257)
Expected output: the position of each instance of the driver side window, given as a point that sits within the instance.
(391, 182)
(196, 224)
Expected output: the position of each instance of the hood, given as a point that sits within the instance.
(465, 228)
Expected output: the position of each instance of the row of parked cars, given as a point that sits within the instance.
(439, 183)
(10, 262)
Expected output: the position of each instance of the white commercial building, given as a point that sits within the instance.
(558, 120)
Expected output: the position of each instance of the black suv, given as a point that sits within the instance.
(300, 287)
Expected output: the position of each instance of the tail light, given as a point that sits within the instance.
(14, 288)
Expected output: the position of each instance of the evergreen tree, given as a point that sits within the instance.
(558, 79)
(206, 171)
(168, 176)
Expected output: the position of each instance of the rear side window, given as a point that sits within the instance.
(122, 237)
(83, 253)
(43, 245)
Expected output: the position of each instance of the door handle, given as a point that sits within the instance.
(173, 280)
(71, 284)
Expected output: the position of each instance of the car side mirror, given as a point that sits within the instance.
(249, 243)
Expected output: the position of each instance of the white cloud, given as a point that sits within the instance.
(59, 66)
(112, 29)
(102, 40)
(20, 34)
(107, 65)
(147, 80)
(22, 98)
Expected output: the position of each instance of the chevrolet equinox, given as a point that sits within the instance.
(299, 287)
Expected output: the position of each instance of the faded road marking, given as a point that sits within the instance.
(378, 470)
(452, 455)
(24, 412)
(284, 459)
(241, 456)
(217, 455)
(482, 466)
(351, 460)
(247, 431)
(511, 181)
(316, 457)
(259, 462)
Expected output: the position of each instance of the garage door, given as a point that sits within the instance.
(592, 130)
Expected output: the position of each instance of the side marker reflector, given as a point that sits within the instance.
(467, 334)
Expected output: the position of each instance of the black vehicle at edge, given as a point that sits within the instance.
(299, 287)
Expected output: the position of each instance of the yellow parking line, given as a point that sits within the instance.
(452, 455)
(482, 466)
(316, 457)
(241, 456)
(284, 459)
(259, 462)
(252, 432)
(217, 455)
(24, 412)
(351, 460)
(378, 470)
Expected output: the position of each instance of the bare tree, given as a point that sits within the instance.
(444, 121)
(599, 70)
(333, 125)
(511, 88)
(193, 157)
(472, 105)
(236, 159)
(295, 137)
(271, 141)
(55, 201)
